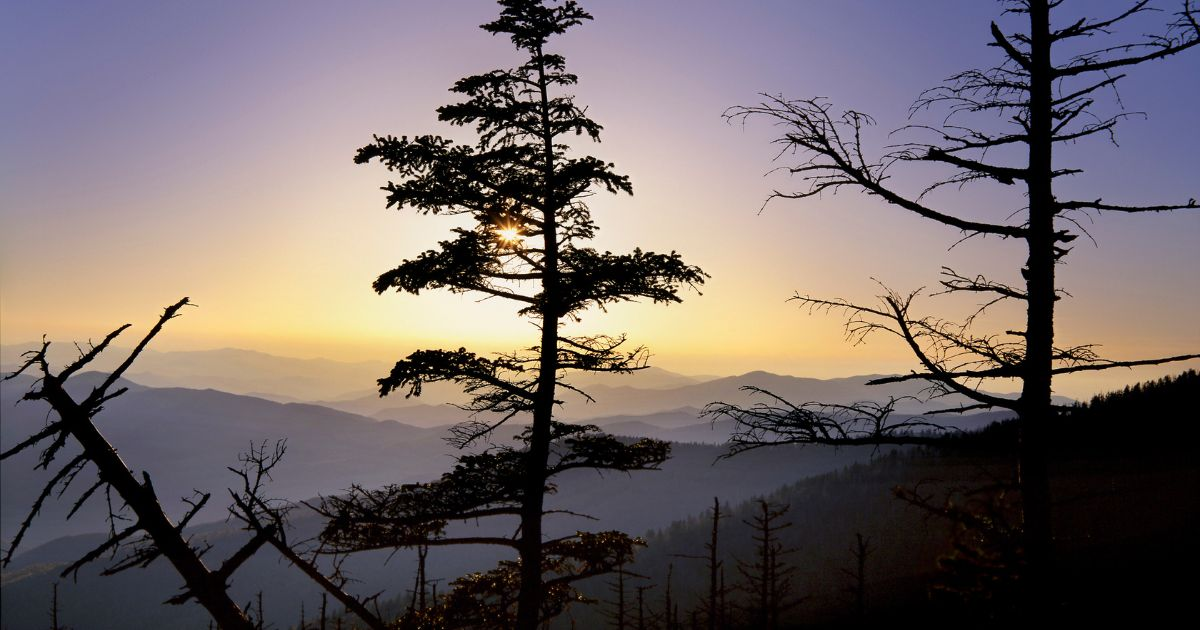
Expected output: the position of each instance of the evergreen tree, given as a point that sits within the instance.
(524, 193)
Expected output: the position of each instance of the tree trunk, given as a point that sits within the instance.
(529, 600)
(713, 567)
(1035, 407)
(207, 587)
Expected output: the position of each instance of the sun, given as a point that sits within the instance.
(510, 235)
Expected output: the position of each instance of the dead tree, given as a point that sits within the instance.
(1047, 101)
(267, 519)
(264, 518)
(858, 575)
(713, 605)
(420, 582)
(768, 577)
(670, 606)
(642, 617)
(715, 592)
(619, 615)
(160, 535)
(54, 607)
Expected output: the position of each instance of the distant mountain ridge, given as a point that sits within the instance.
(187, 437)
(288, 379)
(229, 369)
(178, 423)
(627, 400)
(351, 386)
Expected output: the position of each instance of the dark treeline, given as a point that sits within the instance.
(1163, 398)
(852, 555)
(1123, 525)
(1152, 415)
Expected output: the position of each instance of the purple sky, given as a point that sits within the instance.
(158, 149)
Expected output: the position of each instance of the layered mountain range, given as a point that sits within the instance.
(177, 423)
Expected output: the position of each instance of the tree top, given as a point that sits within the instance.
(529, 23)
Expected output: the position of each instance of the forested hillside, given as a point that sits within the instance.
(1126, 516)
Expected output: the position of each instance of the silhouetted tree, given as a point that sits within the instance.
(420, 583)
(768, 577)
(258, 623)
(1049, 101)
(713, 605)
(525, 196)
(54, 607)
(642, 618)
(160, 536)
(268, 519)
(858, 575)
(486, 485)
(264, 518)
(619, 615)
(670, 605)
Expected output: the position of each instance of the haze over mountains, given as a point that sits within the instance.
(350, 386)
(187, 436)
(287, 379)
(634, 503)
(188, 415)
(231, 370)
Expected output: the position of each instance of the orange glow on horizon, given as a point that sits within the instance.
(226, 175)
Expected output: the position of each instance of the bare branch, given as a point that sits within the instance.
(64, 472)
(51, 429)
(1010, 50)
(1108, 365)
(111, 543)
(778, 421)
(1099, 205)
(837, 161)
(161, 537)
(954, 281)
(86, 357)
(100, 392)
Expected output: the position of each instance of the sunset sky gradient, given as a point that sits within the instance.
(153, 150)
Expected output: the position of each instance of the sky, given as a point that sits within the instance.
(154, 150)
